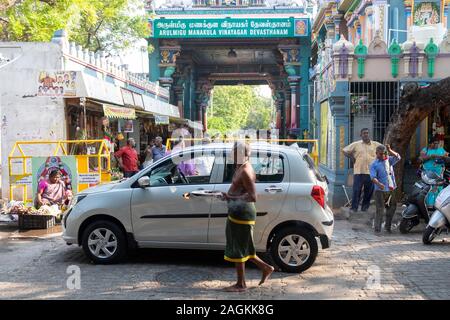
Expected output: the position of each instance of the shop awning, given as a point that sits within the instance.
(119, 112)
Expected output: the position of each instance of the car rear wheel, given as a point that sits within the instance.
(294, 249)
(104, 242)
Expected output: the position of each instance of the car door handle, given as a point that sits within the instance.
(188, 195)
(273, 189)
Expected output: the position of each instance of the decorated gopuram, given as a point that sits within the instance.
(364, 53)
(202, 43)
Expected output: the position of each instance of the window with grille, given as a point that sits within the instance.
(371, 106)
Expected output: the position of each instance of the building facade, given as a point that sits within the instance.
(364, 52)
(204, 43)
(59, 91)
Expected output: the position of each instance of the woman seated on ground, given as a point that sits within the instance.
(52, 191)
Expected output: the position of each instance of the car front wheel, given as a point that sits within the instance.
(104, 242)
(294, 249)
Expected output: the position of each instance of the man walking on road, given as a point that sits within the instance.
(128, 159)
(382, 174)
(362, 153)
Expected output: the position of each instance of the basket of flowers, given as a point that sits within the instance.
(116, 174)
(31, 218)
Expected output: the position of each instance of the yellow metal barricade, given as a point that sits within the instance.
(102, 155)
(314, 151)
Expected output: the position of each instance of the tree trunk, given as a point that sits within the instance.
(416, 104)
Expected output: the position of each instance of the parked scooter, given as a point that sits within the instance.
(440, 219)
(420, 203)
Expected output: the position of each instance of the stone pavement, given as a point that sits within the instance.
(37, 269)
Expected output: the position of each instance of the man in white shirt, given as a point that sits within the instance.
(292, 144)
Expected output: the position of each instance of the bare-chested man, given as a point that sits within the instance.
(241, 199)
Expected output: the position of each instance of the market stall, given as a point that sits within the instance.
(44, 176)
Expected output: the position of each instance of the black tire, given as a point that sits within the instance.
(406, 225)
(428, 235)
(117, 234)
(310, 240)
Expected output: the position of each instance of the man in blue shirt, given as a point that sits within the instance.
(382, 175)
(159, 150)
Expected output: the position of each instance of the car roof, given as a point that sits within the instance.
(254, 146)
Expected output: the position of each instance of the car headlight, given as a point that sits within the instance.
(73, 202)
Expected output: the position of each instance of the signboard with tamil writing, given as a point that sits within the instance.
(88, 178)
(119, 112)
(229, 28)
(161, 119)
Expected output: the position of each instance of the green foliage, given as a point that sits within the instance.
(238, 107)
(107, 25)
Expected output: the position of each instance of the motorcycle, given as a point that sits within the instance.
(421, 202)
(440, 219)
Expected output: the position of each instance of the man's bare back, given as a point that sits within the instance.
(243, 183)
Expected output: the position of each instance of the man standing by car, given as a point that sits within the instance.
(128, 159)
(241, 198)
(362, 153)
(158, 150)
(382, 174)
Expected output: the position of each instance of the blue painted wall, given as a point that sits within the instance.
(397, 19)
(337, 177)
(447, 14)
(153, 60)
(305, 54)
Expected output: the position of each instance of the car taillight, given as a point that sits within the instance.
(319, 195)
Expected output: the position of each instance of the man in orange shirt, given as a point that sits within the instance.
(128, 159)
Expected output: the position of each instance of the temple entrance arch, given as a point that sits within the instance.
(195, 51)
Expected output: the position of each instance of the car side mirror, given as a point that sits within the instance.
(144, 182)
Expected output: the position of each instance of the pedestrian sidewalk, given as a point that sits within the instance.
(11, 231)
(345, 213)
(6, 229)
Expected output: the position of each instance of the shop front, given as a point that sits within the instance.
(68, 93)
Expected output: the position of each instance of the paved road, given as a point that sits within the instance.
(37, 269)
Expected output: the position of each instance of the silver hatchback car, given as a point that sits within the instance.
(150, 210)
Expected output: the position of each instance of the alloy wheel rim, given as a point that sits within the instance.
(294, 250)
(102, 243)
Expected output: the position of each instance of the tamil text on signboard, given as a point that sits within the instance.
(229, 28)
(88, 178)
(161, 119)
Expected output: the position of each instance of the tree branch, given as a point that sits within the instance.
(415, 105)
